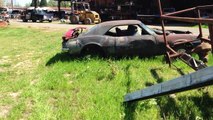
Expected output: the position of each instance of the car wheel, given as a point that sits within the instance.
(33, 20)
(92, 51)
(24, 20)
(50, 20)
(87, 21)
(74, 19)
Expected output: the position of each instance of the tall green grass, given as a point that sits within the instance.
(37, 81)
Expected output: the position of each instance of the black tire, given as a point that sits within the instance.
(92, 51)
(50, 21)
(74, 19)
(33, 20)
(87, 21)
(24, 20)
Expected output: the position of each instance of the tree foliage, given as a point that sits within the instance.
(33, 3)
(43, 3)
(52, 3)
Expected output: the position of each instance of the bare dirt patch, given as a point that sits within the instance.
(4, 111)
(28, 110)
(5, 60)
(15, 95)
(48, 27)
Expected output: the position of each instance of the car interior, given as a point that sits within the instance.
(126, 30)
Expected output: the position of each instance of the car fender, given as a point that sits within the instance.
(180, 41)
(91, 43)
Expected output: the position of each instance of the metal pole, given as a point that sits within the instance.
(200, 24)
(59, 9)
(211, 32)
(164, 33)
(36, 5)
(12, 4)
(162, 22)
(189, 19)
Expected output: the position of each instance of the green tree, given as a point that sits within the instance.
(52, 3)
(43, 3)
(33, 3)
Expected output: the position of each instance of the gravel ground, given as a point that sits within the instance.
(56, 25)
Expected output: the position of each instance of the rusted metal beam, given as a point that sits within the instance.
(200, 24)
(204, 7)
(181, 11)
(190, 9)
(188, 19)
(201, 78)
(211, 35)
(162, 22)
(164, 34)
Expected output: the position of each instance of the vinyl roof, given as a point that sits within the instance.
(120, 22)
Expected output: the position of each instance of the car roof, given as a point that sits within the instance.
(120, 22)
(103, 27)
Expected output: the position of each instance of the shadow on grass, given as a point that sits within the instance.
(183, 108)
(155, 75)
(65, 57)
(205, 105)
(186, 108)
(129, 107)
(129, 110)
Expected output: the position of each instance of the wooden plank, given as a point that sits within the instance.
(201, 78)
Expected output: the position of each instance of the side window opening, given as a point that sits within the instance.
(125, 30)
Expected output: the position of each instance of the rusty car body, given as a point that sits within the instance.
(127, 38)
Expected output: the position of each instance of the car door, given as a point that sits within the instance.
(134, 41)
(122, 46)
(108, 43)
(143, 45)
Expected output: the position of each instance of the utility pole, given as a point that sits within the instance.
(12, 5)
(36, 3)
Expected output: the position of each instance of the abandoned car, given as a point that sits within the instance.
(126, 38)
(36, 14)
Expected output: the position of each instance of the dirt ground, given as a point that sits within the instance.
(65, 26)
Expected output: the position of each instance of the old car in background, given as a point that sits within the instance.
(15, 13)
(127, 38)
(4, 16)
(36, 14)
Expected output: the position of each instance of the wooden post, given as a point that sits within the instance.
(201, 78)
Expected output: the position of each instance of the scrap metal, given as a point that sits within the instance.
(172, 53)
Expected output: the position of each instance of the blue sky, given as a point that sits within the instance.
(22, 2)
